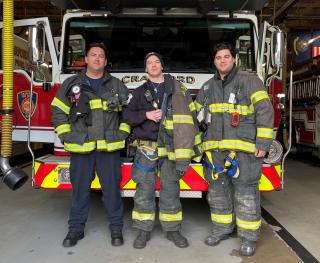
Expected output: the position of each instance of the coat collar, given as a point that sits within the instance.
(229, 77)
(169, 83)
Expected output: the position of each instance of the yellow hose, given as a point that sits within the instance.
(7, 99)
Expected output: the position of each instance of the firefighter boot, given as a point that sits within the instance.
(116, 238)
(214, 240)
(142, 239)
(72, 238)
(247, 247)
(178, 239)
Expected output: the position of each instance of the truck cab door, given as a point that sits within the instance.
(264, 54)
(21, 63)
(43, 81)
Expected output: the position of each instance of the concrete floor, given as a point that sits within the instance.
(297, 206)
(34, 222)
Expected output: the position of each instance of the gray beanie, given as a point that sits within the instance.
(153, 54)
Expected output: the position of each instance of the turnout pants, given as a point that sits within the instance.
(236, 200)
(144, 173)
(107, 166)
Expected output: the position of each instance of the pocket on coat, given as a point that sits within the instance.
(247, 132)
(74, 137)
(115, 135)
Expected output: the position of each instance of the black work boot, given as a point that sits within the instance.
(247, 247)
(141, 239)
(72, 238)
(178, 239)
(116, 238)
(214, 240)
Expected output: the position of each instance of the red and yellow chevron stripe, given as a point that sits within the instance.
(56, 176)
(270, 178)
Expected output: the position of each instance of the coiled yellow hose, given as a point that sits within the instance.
(7, 99)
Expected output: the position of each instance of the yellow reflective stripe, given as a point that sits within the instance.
(162, 151)
(229, 144)
(180, 118)
(229, 107)
(198, 105)
(95, 104)
(220, 107)
(222, 219)
(168, 124)
(171, 156)
(265, 133)
(110, 146)
(177, 154)
(197, 138)
(259, 95)
(183, 153)
(242, 109)
(192, 107)
(170, 217)
(104, 105)
(86, 147)
(124, 127)
(199, 148)
(102, 145)
(197, 159)
(142, 216)
(63, 128)
(59, 104)
(255, 225)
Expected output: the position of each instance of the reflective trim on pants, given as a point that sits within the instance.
(248, 225)
(142, 216)
(170, 217)
(222, 219)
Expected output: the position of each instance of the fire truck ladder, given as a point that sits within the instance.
(306, 89)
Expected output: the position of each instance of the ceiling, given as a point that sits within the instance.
(292, 14)
(289, 14)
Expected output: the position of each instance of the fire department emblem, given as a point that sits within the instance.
(24, 106)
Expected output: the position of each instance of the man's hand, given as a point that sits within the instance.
(260, 153)
(154, 115)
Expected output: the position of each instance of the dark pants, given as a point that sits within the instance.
(107, 166)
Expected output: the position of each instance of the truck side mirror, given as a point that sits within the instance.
(277, 49)
(37, 43)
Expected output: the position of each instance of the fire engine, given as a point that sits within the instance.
(185, 36)
(306, 92)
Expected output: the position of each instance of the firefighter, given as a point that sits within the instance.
(86, 114)
(163, 118)
(236, 116)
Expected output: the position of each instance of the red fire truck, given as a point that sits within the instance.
(305, 50)
(185, 37)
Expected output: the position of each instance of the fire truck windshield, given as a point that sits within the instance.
(186, 43)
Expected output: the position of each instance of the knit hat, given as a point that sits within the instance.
(153, 54)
